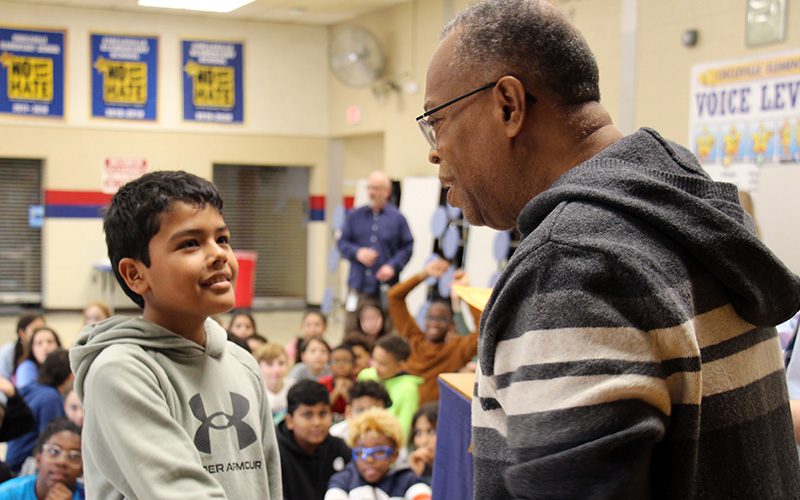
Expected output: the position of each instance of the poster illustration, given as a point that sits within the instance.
(124, 77)
(213, 81)
(32, 72)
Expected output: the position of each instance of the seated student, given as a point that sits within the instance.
(362, 350)
(371, 321)
(46, 401)
(95, 312)
(340, 380)
(242, 324)
(274, 365)
(312, 324)
(59, 463)
(314, 356)
(12, 353)
(73, 408)
(309, 455)
(43, 341)
(431, 353)
(364, 395)
(376, 439)
(389, 361)
(422, 441)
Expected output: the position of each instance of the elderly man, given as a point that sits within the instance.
(377, 242)
(627, 350)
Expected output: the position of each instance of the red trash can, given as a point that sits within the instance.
(246, 283)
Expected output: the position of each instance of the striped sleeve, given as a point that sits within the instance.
(572, 394)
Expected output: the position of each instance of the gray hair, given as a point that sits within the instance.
(530, 40)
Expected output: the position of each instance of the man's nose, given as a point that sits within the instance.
(433, 156)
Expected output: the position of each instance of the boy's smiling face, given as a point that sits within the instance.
(192, 270)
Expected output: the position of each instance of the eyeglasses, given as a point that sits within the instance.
(427, 127)
(376, 452)
(53, 451)
(438, 319)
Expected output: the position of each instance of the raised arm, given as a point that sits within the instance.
(398, 310)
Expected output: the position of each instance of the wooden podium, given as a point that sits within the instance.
(452, 468)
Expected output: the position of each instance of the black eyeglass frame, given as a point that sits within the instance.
(424, 125)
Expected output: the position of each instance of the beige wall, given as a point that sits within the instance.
(285, 124)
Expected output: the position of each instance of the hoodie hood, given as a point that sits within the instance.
(662, 184)
(117, 330)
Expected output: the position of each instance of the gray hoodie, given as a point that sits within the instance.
(168, 418)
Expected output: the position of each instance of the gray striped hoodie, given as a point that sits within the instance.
(627, 350)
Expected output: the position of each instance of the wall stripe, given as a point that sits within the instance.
(316, 208)
(75, 204)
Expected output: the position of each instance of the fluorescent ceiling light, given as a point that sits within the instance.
(204, 5)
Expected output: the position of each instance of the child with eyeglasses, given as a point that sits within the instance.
(376, 438)
(60, 464)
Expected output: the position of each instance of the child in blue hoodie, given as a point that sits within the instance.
(376, 438)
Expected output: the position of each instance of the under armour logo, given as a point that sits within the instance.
(244, 432)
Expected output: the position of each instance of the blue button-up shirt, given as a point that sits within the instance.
(387, 232)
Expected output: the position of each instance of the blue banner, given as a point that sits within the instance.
(32, 72)
(213, 81)
(124, 76)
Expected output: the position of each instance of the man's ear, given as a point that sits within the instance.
(132, 271)
(509, 94)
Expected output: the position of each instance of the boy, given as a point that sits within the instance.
(432, 351)
(389, 363)
(274, 365)
(309, 455)
(172, 410)
(363, 395)
(376, 439)
(340, 380)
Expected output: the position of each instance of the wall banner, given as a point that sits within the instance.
(32, 72)
(745, 114)
(124, 76)
(213, 81)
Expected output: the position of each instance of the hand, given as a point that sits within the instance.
(437, 267)
(385, 273)
(342, 385)
(367, 256)
(460, 278)
(419, 459)
(7, 387)
(59, 491)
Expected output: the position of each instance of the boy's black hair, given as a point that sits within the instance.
(306, 392)
(55, 369)
(396, 346)
(345, 348)
(354, 339)
(429, 410)
(54, 427)
(446, 303)
(134, 215)
(371, 389)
